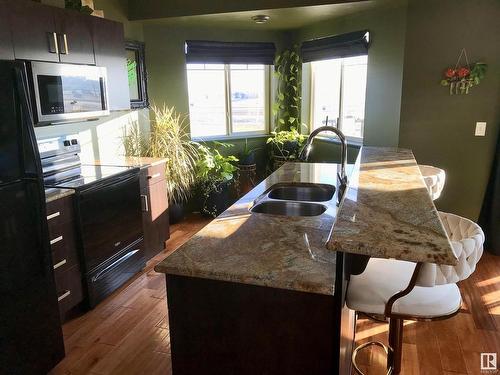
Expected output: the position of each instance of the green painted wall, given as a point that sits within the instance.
(439, 128)
(385, 67)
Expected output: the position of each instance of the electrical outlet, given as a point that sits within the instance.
(480, 129)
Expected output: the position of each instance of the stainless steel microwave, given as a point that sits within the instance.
(67, 93)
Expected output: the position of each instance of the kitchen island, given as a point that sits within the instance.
(255, 292)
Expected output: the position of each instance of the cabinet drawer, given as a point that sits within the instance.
(69, 288)
(59, 212)
(63, 245)
(155, 173)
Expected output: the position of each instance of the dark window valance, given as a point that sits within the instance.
(344, 45)
(206, 52)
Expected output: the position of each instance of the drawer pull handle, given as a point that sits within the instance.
(61, 263)
(154, 176)
(54, 215)
(56, 240)
(64, 295)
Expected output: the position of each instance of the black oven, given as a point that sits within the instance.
(66, 92)
(110, 223)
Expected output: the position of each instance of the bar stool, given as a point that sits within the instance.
(415, 291)
(434, 179)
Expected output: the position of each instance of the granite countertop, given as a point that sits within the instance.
(131, 161)
(388, 212)
(268, 250)
(52, 194)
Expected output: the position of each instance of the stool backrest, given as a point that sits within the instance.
(467, 240)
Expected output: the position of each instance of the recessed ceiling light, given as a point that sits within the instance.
(260, 18)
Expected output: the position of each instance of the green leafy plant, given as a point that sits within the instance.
(168, 139)
(288, 72)
(286, 143)
(214, 174)
(77, 5)
(246, 155)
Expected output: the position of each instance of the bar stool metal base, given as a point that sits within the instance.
(387, 350)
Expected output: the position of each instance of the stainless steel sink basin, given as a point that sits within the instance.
(303, 192)
(286, 208)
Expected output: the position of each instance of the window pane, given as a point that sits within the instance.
(353, 96)
(133, 83)
(248, 99)
(207, 104)
(326, 92)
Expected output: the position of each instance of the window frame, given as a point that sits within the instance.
(229, 133)
(350, 138)
(139, 48)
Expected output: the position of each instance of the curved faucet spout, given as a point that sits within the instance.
(304, 155)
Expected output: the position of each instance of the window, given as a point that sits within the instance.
(136, 70)
(228, 100)
(338, 90)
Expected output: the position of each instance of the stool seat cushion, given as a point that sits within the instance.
(382, 278)
(434, 178)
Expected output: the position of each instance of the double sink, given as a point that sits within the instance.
(297, 199)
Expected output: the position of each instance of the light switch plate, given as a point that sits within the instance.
(480, 129)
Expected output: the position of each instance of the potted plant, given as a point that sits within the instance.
(247, 169)
(247, 154)
(168, 139)
(214, 178)
(285, 146)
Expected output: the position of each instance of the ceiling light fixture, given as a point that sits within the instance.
(260, 18)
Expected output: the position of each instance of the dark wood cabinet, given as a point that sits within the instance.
(109, 49)
(75, 37)
(41, 32)
(6, 47)
(154, 209)
(33, 31)
(66, 263)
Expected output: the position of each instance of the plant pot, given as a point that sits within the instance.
(217, 200)
(246, 178)
(290, 147)
(249, 160)
(175, 212)
(279, 160)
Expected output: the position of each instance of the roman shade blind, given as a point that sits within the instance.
(344, 45)
(207, 52)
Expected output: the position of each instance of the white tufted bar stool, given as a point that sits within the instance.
(400, 290)
(434, 179)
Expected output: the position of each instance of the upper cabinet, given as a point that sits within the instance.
(74, 37)
(33, 31)
(6, 48)
(109, 48)
(46, 33)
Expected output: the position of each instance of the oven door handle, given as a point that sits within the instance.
(113, 181)
(114, 264)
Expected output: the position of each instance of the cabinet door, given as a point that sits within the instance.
(75, 37)
(33, 31)
(155, 217)
(109, 49)
(6, 48)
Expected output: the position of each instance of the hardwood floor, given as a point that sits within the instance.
(128, 332)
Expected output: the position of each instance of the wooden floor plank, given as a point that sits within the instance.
(127, 334)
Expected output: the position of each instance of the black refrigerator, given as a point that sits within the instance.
(31, 339)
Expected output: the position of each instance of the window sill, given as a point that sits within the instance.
(351, 142)
(229, 137)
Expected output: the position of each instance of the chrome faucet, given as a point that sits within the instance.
(304, 154)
